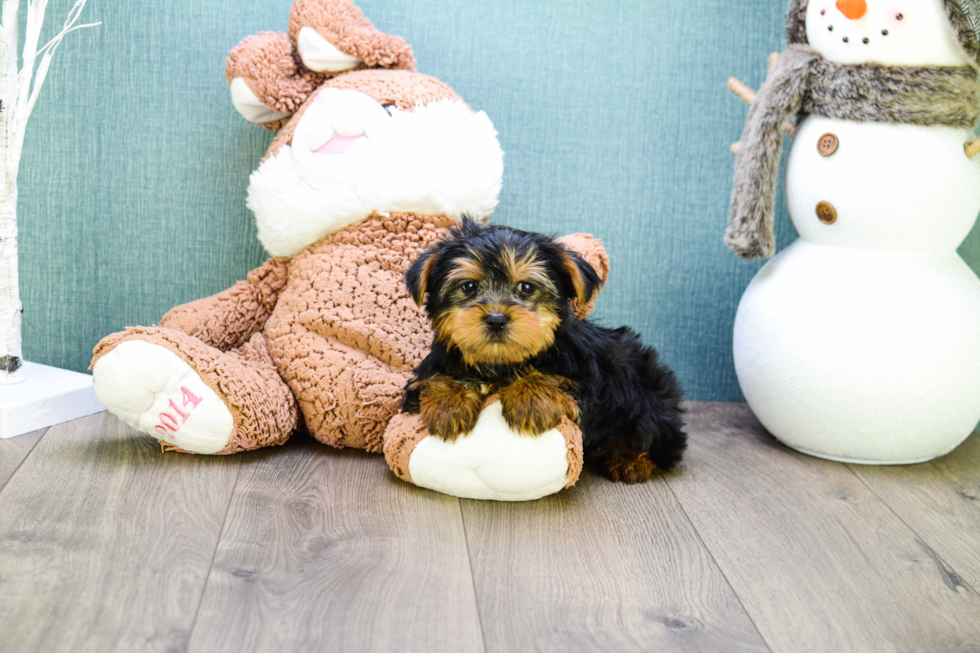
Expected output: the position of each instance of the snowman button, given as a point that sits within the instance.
(826, 213)
(828, 144)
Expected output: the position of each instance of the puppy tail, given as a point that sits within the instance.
(663, 426)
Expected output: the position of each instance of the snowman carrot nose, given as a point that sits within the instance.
(853, 9)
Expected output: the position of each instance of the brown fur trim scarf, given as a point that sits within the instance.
(803, 82)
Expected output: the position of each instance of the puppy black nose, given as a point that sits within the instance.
(496, 322)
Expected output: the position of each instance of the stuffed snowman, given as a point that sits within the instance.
(861, 341)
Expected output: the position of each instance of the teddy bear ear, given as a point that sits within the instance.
(265, 82)
(388, 51)
(332, 36)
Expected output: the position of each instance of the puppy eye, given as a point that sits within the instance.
(470, 287)
(390, 108)
(525, 288)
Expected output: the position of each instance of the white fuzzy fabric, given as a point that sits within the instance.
(862, 355)
(923, 36)
(897, 188)
(492, 462)
(137, 381)
(441, 159)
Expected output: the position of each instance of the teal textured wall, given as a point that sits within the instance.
(614, 117)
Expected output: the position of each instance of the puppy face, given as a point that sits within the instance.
(499, 306)
(499, 294)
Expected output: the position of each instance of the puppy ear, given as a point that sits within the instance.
(468, 226)
(417, 277)
(584, 280)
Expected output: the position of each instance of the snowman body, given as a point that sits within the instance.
(861, 341)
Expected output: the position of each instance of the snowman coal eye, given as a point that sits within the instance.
(900, 17)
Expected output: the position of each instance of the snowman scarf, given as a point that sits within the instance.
(803, 82)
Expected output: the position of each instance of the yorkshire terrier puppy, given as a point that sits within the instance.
(500, 301)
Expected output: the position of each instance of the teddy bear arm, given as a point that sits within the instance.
(490, 463)
(402, 435)
(593, 251)
(227, 320)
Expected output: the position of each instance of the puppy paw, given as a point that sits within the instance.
(449, 408)
(536, 403)
(625, 466)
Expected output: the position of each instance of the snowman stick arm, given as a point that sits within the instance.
(773, 60)
(741, 90)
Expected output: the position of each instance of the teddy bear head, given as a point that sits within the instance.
(372, 139)
(271, 74)
(374, 142)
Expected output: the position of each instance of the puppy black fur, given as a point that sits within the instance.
(501, 303)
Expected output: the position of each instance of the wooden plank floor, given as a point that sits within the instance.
(107, 544)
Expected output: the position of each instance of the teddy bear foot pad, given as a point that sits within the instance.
(156, 392)
(490, 463)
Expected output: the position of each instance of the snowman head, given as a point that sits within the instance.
(889, 32)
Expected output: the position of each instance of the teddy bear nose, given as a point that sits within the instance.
(852, 9)
(496, 322)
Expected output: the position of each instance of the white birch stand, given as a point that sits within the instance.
(32, 397)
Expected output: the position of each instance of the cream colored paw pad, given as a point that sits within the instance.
(492, 462)
(156, 392)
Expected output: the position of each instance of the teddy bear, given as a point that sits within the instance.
(372, 164)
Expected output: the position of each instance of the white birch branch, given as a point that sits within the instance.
(10, 306)
(19, 91)
(50, 48)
